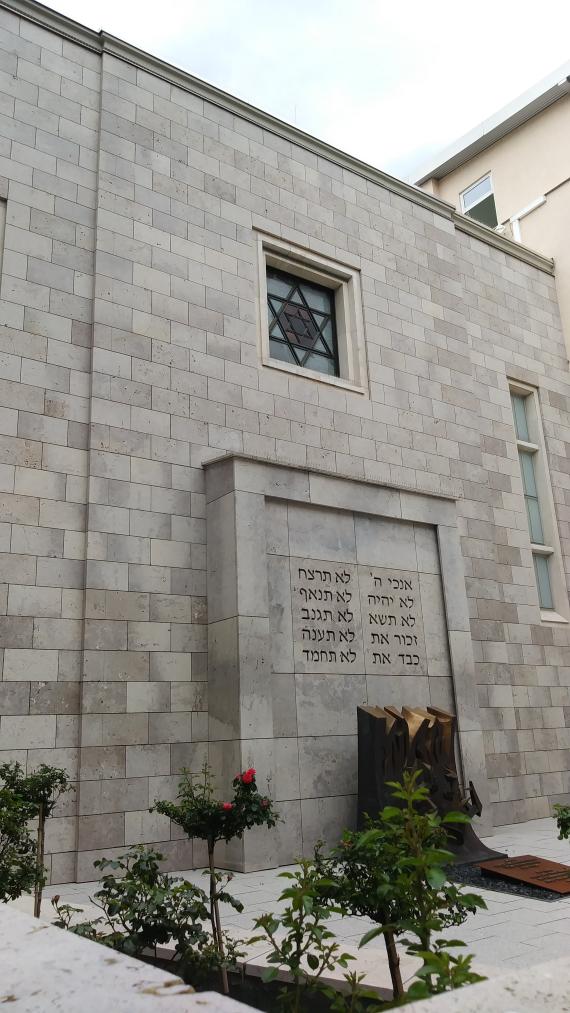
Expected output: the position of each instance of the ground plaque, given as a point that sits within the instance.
(539, 872)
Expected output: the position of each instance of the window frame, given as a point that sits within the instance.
(551, 548)
(345, 281)
(466, 209)
(331, 355)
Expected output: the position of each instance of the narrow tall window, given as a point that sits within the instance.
(538, 501)
(478, 202)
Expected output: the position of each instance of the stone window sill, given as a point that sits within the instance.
(312, 374)
(548, 616)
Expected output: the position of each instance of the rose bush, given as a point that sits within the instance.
(207, 818)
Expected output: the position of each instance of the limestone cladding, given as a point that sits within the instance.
(129, 357)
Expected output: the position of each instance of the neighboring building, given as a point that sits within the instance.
(512, 172)
(259, 461)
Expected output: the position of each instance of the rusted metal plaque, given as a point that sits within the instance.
(539, 872)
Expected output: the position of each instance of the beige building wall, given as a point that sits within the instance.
(530, 162)
(130, 359)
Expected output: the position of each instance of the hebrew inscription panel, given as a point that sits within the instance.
(327, 630)
(349, 618)
(392, 624)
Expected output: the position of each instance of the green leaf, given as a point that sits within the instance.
(390, 811)
(313, 961)
(269, 974)
(371, 934)
(456, 818)
(436, 878)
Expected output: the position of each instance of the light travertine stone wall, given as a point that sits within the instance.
(284, 680)
(129, 358)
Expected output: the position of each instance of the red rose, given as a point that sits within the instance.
(264, 803)
(227, 806)
(248, 776)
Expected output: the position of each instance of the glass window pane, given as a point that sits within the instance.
(477, 192)
(276, 285)
(280, 350)
(317, 298)
(534, 521)
(527, 469)
(484, 212)
(301, 322)
(320, 363)
(519, 411)
(541, 569)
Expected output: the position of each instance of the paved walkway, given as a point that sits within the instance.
(513, 932)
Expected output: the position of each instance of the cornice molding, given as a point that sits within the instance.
(208, 92)
(264, 462)
(508, 246)
(55, 22)
(102, 42)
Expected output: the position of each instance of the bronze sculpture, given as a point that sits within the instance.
(391, 741)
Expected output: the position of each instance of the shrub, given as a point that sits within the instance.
(562, 817)
(395, 872)
(201, 815)
(143, 909)
(307, 948)
(18, 863)
(38, 794)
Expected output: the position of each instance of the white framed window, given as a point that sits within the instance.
(478, 202)
(310, 315)
(539, 503)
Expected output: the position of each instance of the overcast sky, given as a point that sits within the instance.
(390, 82)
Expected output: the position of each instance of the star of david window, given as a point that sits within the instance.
(302, 326)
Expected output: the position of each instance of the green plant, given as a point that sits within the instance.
(143, 909)
(201, 815)
(18, 865)
(414, 893)
(308, 948)
(355, 1000)
(562, 817)
(441, 970)
(40, 791)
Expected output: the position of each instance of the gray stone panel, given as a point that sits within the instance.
(327, 631)
(280, 612)
(392, 622)
(326, 705)
(385, 543)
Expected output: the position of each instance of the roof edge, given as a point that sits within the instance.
(103, 42)
(510, 247)
(498, 125)
(46, 17)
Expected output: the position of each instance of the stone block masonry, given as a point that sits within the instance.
(134, 196)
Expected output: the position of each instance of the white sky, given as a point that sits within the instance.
(390, 82)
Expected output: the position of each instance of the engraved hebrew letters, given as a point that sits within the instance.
(392, 623)
(327, 633)
(349, 618)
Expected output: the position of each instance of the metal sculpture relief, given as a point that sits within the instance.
(391, 741)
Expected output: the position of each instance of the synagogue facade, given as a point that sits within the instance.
(279, 435)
